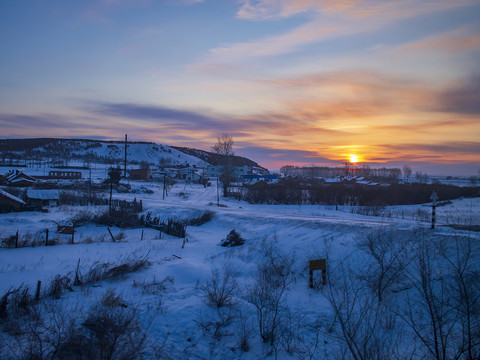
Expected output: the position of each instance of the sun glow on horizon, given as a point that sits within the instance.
(353, 158)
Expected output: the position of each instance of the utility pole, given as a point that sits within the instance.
(125, 169)
(434, 205)
(218, 194)
(110, 202)
(90, 182)
(164, 188)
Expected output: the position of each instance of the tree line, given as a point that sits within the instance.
(293, 191)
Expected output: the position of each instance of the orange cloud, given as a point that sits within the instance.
(466, 38)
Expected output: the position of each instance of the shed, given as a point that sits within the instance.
(57, 174)
(41, 198)
(19, 178)
(141, 174)
(9, 202)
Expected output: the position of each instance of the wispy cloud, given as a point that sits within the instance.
(464, 98)
(324, 20)
(19, 121)
(158, 114)
(465, 38)
(274, 9)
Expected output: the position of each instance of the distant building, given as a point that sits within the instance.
(254, 178)
(37, 199)
(18, 178)
(141, 174)
(9, 202)
(217, 170)
(189, 174)
(56, 174)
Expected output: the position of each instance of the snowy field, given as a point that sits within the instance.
(170, 297)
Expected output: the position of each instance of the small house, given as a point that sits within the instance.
(141, 174)
(217, 170)
(40, 198)
(70, 175)
(189, 175)
(251, 179)
(9, 202)
(19, 178)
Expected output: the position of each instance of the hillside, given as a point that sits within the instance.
(216, 159)
(88, 150)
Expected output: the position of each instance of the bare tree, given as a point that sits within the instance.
(220, 289)
(267, 294)
(366, 328)
(459, 256)
(473, 180)
(224, 145)
(224, 148)
(429, 310)
(407, 171)
(389, 257)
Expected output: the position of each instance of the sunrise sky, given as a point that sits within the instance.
(292, 81)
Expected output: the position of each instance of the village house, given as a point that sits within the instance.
(18, 178)
(71, 175)
(9, 203)
(217, 170)
(189, 174)
(37, 199)
(141, 174)
(251, 179)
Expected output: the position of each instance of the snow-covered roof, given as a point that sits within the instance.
(20, 179)
(43, 194)
(11, 197)
(332, 180)
(17, 175)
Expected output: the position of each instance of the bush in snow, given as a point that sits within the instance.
(107, 330)
(267, 295)
(202, 219)
(232, 239)
(219, 290)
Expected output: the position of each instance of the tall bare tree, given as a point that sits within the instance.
(407, 171)
(224, 148)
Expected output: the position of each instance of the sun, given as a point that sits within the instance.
(353, 158)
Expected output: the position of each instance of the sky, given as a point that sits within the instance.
(299, 82)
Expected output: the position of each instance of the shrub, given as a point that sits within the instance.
(154, 287)
(112, 332)
(202, 219)
(219, 290)
(233, 239)
(58, 285)
(9, 242)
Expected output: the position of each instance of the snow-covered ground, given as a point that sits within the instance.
(178, 319)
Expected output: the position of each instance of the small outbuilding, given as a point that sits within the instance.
(9, 202)
(141, 174)
(41, 198)
(19, 178)
(70, 175)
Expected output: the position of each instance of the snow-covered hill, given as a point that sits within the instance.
(98, 151)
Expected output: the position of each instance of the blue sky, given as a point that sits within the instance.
(293, 81)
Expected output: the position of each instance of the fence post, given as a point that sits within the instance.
(16, 240)
(77, 281)
(73, 233)
(46, 237)
(37, 294)
(111, 234)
